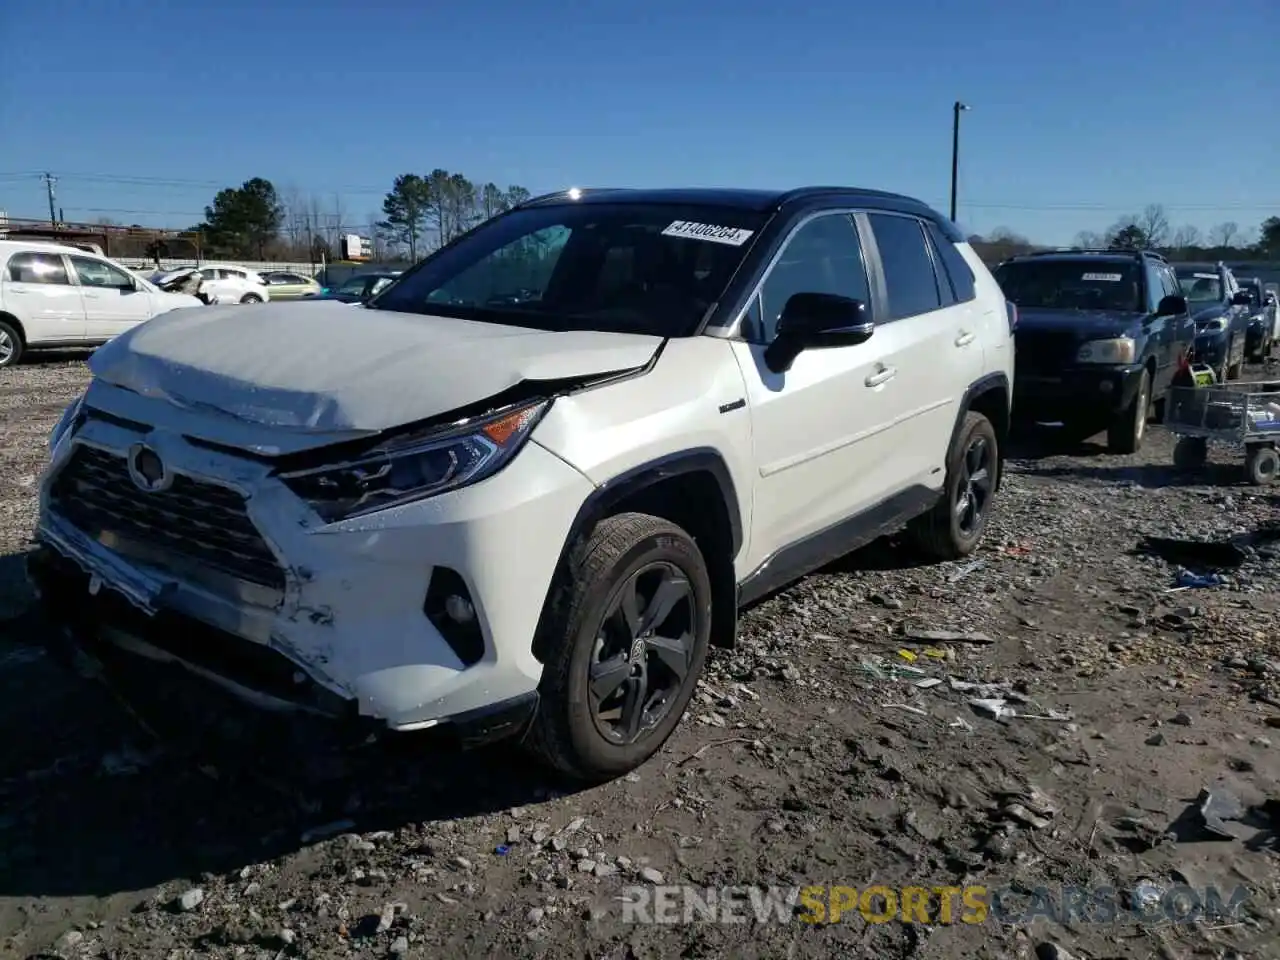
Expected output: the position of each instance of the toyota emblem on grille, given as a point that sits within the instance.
(147, 470)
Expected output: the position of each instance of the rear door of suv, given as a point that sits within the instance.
(937, 327)
(37, 289)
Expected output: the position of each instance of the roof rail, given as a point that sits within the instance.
(817, 191)
(1097, 251)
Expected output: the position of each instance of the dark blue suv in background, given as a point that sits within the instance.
(1100, 335)
(1221, 311)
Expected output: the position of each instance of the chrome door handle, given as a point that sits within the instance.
(964, 339)
(883, 375)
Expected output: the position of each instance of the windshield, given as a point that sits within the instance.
(1072, 284)
(1254, 298)
(1200, 286)
(617, 267)
(355, 286)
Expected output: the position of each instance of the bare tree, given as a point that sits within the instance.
(1154, 224)
(1009, 236)
(1224, 234)
(334, 221)
(1088, 240)
(1186, 237)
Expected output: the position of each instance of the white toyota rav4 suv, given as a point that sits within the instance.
(523, 491)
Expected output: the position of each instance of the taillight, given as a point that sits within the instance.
(1012, 310)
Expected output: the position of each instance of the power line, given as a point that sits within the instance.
(1015, 206)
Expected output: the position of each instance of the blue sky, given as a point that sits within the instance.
(1081, 111)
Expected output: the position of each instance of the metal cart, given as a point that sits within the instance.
(1240, 413)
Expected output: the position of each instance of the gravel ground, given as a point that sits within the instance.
(813, 755)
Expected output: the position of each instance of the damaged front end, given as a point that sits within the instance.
(370, 586)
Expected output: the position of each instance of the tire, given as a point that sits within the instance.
(1262, 465)
(582, 632)
(1126, 432)
(11, 345)
(251, 298)
(1233, 370)
(1190, 453)
(944, 533)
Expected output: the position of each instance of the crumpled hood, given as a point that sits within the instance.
(323, 367)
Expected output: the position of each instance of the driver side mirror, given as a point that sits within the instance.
(1172, 306)
(1241, 299)
(815, 321)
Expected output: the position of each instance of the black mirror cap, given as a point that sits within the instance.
(1241, 298)
(815, 320)
(828, 316)
(1172, 306)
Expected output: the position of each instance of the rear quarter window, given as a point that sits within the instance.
(957, 270)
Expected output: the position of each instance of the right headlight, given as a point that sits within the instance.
(1212, 326)
(1115, 350)
(408, 470)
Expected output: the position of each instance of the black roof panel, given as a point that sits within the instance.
(759, 200)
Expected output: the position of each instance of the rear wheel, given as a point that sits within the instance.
(954, 527)
(10, 345)
(1126, 432)
(251, 298)
(625, 639)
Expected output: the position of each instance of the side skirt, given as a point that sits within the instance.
(817, 550)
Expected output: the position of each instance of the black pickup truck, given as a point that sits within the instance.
(1101, 334)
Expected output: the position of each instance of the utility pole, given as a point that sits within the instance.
(955, 152)
(49, 181)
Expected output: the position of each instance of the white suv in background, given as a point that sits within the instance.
(54, 296)
(234, 284)
(524, 494)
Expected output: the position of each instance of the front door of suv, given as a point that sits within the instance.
(820, 430)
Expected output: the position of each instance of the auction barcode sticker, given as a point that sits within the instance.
(1106, 277)
(689, 230)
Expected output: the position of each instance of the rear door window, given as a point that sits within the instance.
(38, 268)
(908, 268)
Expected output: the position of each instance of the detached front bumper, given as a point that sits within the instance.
(250, 593)
(1076, 393)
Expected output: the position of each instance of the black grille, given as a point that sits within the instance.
(202, 522)
(1045, 351)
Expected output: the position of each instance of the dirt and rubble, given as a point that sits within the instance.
(1055, 713)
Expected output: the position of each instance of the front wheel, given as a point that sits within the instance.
(1126, 432)
(954, 527)
(625, 639)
